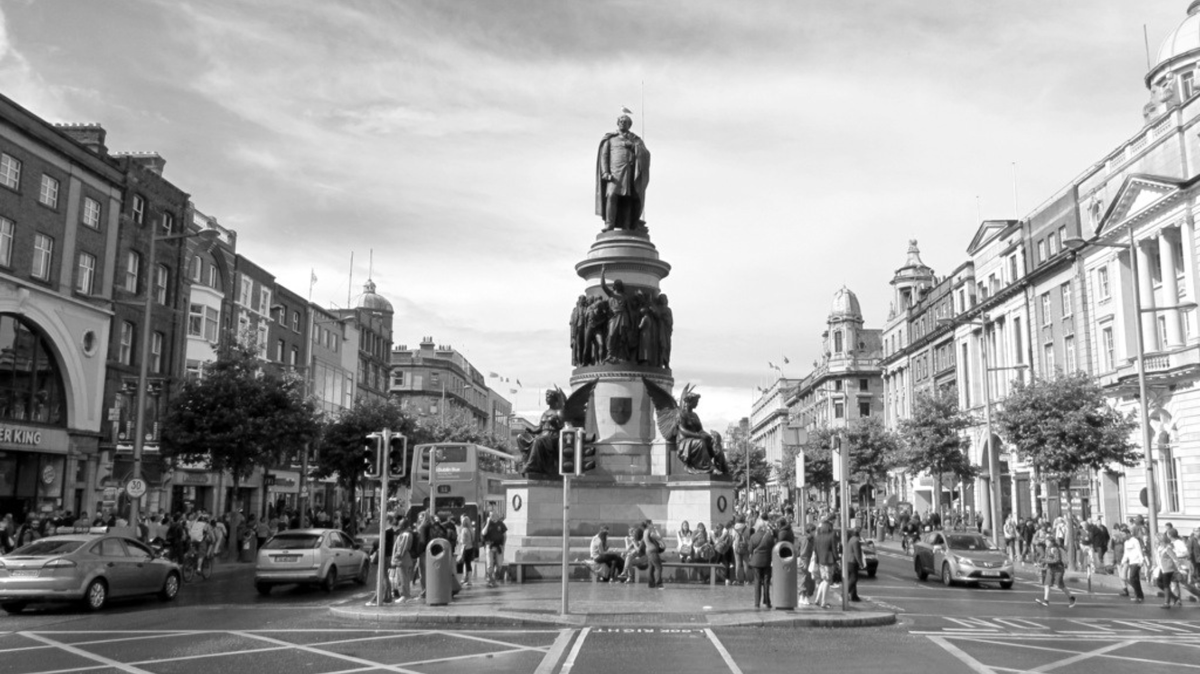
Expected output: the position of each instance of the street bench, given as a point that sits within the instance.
(518, 569)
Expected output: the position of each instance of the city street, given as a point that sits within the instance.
(222, 625)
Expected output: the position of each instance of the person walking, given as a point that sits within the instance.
(854, 561)
(804, 565)
(1010, 536)
(825, 551)
(465, 554)
(403, 560)
(723, 547)
(1165, 566)
(1056, 567)
(493, 537)
(1134, 557)
(761, 543)
(741, 548)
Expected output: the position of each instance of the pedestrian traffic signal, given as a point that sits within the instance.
(586, 460)
(397, 457)
(569, 443)
(372, 465)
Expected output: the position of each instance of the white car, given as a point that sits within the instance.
(321, 557)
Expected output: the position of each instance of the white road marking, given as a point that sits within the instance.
(1086, 655)
(86, 655)
(975, 665)
(556, 652)
(566, 668)
(329, 654)
(371, 638)
(472, 637)
(733, 668)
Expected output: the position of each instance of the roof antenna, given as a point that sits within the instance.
(370, 263)
(1146, 38)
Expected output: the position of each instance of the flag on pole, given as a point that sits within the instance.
(519, 383)
(785, 360)
(313, 278)
(492, 375)
(770, 365)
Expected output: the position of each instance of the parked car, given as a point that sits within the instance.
(321, 557)
(88, 567)
(962, 557)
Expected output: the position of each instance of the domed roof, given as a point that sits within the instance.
(845, 305)
(1182, 41)
(372, 301)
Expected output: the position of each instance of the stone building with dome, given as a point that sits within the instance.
(844, 384)
(1054, 292)
(372, 316)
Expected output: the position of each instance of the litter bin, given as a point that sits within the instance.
(439, 571)
(783, 576)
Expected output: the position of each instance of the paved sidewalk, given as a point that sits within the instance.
(615, 605)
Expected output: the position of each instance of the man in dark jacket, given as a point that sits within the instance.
(854, 562)
(825, 549)
(761, 543)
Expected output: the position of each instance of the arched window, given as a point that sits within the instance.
(31, 383)
(1169, 466)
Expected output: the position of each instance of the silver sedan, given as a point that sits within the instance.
(321, 557)
(87, 567)
(962, 557)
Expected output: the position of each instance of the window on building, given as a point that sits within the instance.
(1103, 290)
(212, 322)
(1169, 465)
(168, 223)
(295, 358)
(837, 384)
(137, 209)
(864, 409)
(1162, 332)
(280, 350)
(1062, 236)
(48, 193)
(156, 352)
(10, 171)
(397, 379)
(133, 264)
(1052, 242)
(213, 279)
(435, 379)
(864, 384)
(245, 290)
(1106, 341)
(43, 256)
(837, 341)
(1041, 251)
(839, 410)
(1177, 254)
(125, 355)
(91, 212)
(264, 300)
(162, 276)
(192, 370)
(1046, 309)
(1048, 359)
(1012, 268)
(195, 320)
(295, 321)
(1064, 292)
(1069, 354)
(1187, 84)
(85, 274)
(7, 229)
(993, 284)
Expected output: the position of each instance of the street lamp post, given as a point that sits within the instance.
(1077, 244)
(139, 424)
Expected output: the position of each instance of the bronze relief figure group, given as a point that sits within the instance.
(621, 327)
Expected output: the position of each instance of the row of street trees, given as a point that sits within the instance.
(1059, 426)
(241, 416)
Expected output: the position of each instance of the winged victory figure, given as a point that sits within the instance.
(540, 445)
(698, 449)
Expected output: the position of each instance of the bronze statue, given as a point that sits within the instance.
(648, 327)
(699, 450)
(666, 326)
(622, 173)
(578, 325)
(620, 320)
(540, 447)
(596, 331)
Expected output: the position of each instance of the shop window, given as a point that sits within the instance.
(31, 383)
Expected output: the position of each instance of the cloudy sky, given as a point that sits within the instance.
(797, 146)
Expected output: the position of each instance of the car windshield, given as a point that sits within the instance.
(968, 542)
(293, 542)
(47, 547)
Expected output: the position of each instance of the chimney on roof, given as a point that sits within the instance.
(90, 135)
(151, 161)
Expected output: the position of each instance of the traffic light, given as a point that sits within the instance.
(586, 459)
(569, 443)
(372, 466)
(397, 457)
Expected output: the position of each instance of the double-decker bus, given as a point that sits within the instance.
(466, 480)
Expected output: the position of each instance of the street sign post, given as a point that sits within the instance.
(136, 488)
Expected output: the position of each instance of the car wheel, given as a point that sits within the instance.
(263, 588)
(947, 579)
(1007, 585)
(170, 588)
(13, 607)
(922, 574)
(96, 595)
(363, 573)
(330, 579)
(871, 572)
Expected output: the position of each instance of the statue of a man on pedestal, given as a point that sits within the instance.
(622, 173)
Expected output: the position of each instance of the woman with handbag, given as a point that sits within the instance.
(1165, 567)
(761, 543)
(683, 542)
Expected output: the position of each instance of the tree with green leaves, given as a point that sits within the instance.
(934, 439)
(738, 447)
(1063, 425)
(238, 416)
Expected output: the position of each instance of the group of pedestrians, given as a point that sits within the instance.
(402, 551)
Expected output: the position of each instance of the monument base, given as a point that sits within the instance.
(535, 513)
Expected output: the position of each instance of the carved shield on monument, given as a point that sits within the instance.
(620, 409)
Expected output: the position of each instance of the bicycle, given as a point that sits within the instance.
(193, 563)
